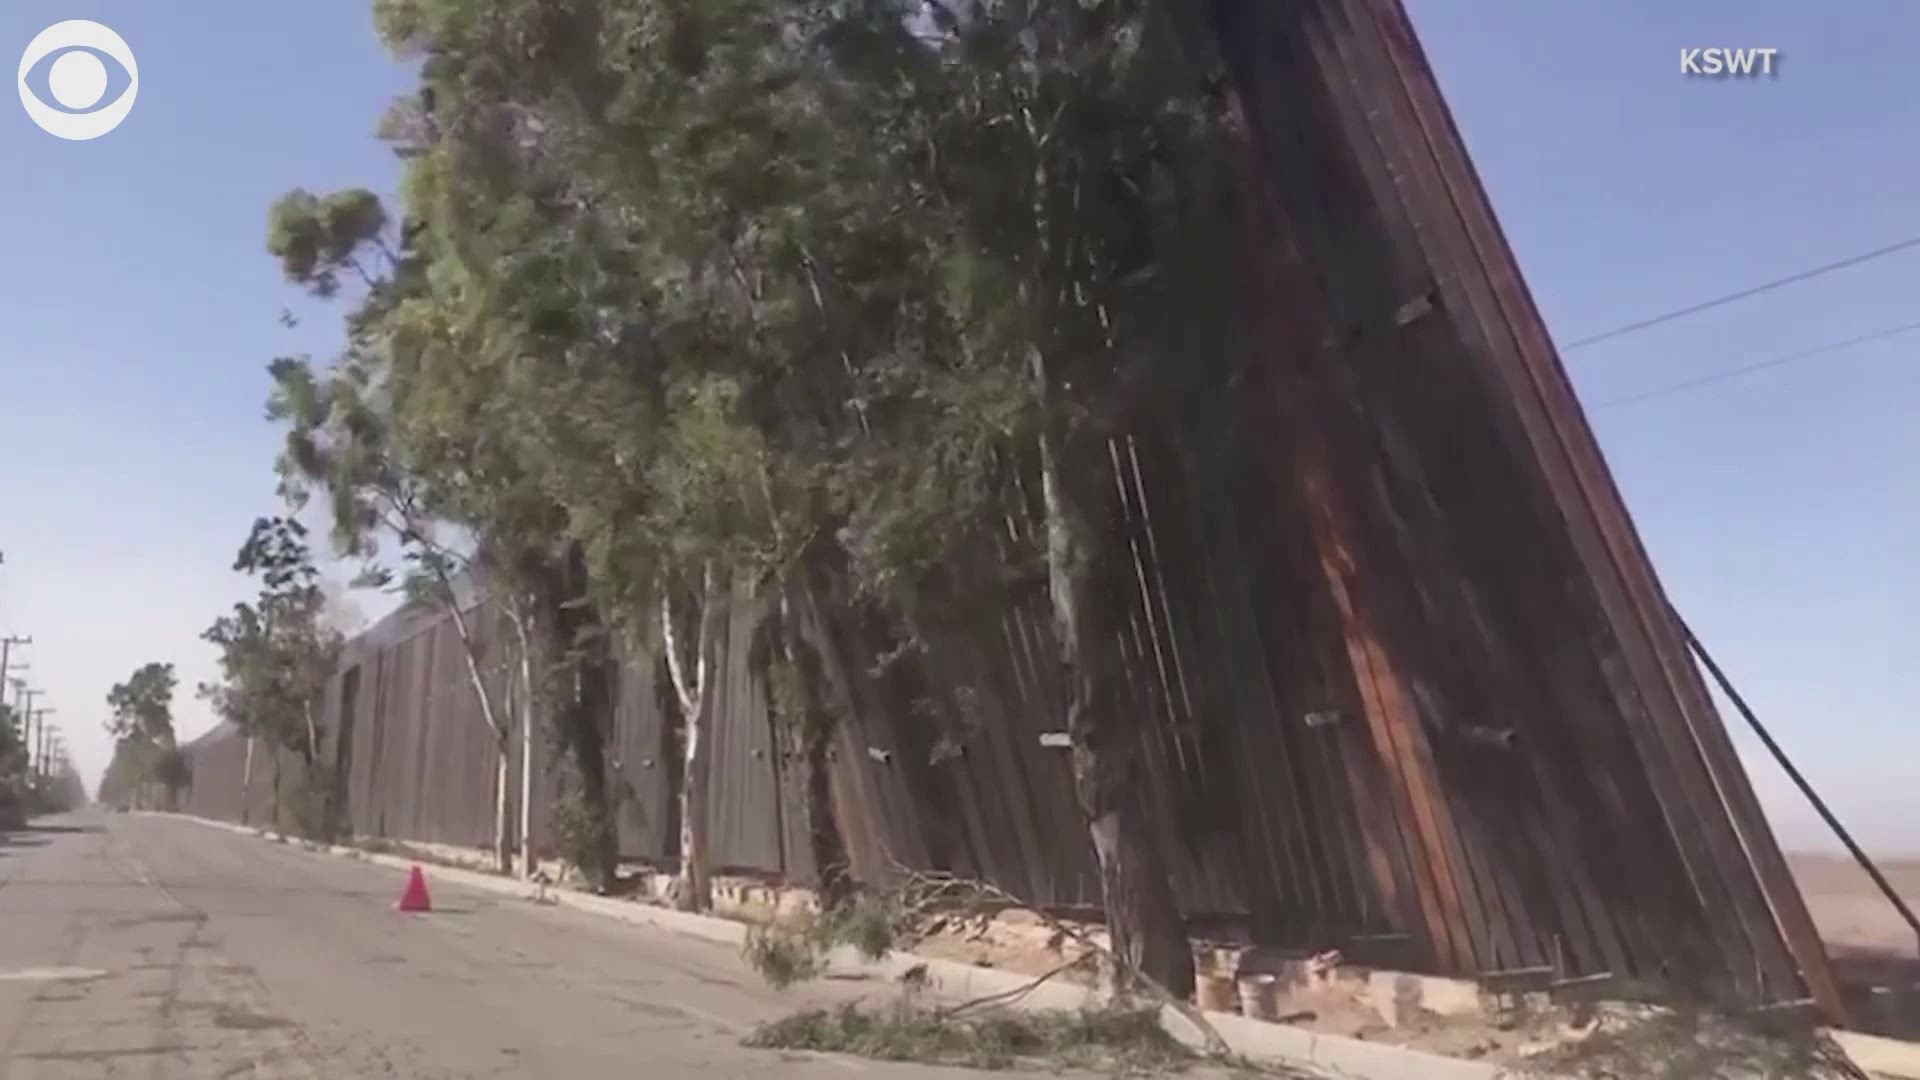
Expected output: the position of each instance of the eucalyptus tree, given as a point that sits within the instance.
(784, 291)
(141, 725)
(346, 441)
(277, 654)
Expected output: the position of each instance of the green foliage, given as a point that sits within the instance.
(745, 292)
(578, 832)
(1118, 1041)
(782, 957)
(142, 728)
(13, 746)
(872, 924)
(140, 769)
(277, 652)
(312, 806)
(15, 783)
(317, 238)
(143, 705)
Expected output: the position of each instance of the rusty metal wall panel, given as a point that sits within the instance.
(1412, 347)
(1642, 617)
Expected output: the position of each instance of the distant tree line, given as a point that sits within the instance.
(28, 787)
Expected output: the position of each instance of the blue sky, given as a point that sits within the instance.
(138, 309)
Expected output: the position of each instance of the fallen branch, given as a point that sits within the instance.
(944, 884)
(1008, 997)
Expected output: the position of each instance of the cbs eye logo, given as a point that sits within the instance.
(77, 79)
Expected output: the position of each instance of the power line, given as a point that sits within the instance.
(1764, 365)
(1743, 294)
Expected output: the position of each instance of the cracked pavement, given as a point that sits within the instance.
(135, 946)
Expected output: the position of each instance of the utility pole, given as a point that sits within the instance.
(46, 743)
(6, 652)
(23, 696)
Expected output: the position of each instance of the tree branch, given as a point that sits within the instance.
(671, 644)
(1008, 997)
(945, 883)
(708, 602)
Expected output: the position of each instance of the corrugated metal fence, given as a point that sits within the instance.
(1414, 689)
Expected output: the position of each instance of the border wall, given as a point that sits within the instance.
(1415, 690)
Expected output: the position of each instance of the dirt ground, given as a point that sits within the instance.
(1854, 918)
(1870, 944)
(1875, 954)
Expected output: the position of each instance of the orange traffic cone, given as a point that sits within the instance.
(414, 897)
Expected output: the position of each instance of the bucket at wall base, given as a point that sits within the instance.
(1214, 993)
(1260, 997)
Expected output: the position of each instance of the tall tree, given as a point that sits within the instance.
(779, 292)
(431, 396)
(15, 786)
(343, 442)
(143, 705)
(634, 275)
(142, 729)
(1075, 156)
(276, 656)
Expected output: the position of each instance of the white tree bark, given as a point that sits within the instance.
(503, 841)
(696, 704)
(246, 783)
(525, 710)
(469, 652)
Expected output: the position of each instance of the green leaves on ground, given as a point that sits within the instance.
(1118, 1041)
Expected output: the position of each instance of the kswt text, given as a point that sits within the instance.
(1734, 62)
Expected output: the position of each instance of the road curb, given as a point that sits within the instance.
(1349, 1058)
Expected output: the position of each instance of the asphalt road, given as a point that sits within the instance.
(135, 946)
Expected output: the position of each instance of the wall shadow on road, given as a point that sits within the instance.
(33, 836)
(1882, 987)
(60, 830)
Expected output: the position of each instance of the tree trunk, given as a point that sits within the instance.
(584, 722)
(526, 775)
(522, 700)
(469, 652)
(590, 761)
(246, 783)
(502, 804)
(696, 708)
(825, 841)
(312, 750)
(695, 871)
(1143, 918)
